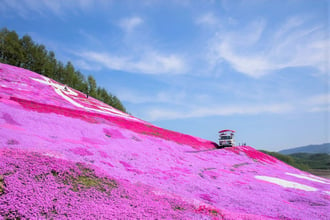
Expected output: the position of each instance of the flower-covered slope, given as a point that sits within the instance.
(63, 155)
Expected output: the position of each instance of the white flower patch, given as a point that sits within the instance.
(68, 94)
(309, 177)
(286, 183)
(52, 154)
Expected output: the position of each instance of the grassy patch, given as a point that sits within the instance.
(85, 179)
(100, 184)
(88, 181)
(214, 212)
(85, 170)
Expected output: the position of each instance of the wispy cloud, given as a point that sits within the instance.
(257, 51)
(159, 97)
(321, 99)
(25, 8)
(129, 24)
(150, 62)
(207, 19)
(318, 103)
(82, 64)
(197, 112)
(315, 103)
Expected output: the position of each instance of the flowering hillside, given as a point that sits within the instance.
(63, 155)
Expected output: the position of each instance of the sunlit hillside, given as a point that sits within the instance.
(66, 155)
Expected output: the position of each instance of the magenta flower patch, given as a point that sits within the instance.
(64, 156)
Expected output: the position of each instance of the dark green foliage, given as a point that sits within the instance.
(92, 86)
(288, 159)
(10, 47)
(314, 161)
(312, 149)
(27, 54)
(304, 161)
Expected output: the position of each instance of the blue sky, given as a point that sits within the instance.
(260, 67)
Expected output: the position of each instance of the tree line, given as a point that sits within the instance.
(24, 52)
(288, 160)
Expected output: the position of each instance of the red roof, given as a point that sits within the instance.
(227, 131)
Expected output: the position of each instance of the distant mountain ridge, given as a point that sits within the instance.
(313, 149)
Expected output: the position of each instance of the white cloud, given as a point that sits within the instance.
(320, 109)
(257, 51)
(253, 65)
(166, 114)
(15, 5)
(168, 97)
(318, 103)
(129, 24)
(150, 62)
(207, 19)
(321, 99)
(291, 24)
(82, 64)
(25, 8)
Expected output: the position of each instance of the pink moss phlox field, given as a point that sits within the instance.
(65, 156)
(254, 154)
(38, 186)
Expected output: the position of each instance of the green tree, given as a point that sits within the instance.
(50, 64)
(11, 50)
(117, 104)
(39, 54)
(59, 72)
(69, 77)
(288, 159)
(27, 46)
(81, 83)
(92, 86)
(35, 57)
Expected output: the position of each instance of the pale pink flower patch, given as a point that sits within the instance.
(65, 156)
(81, 151)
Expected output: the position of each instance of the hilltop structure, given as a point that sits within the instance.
(63, 155)
(226, 138)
